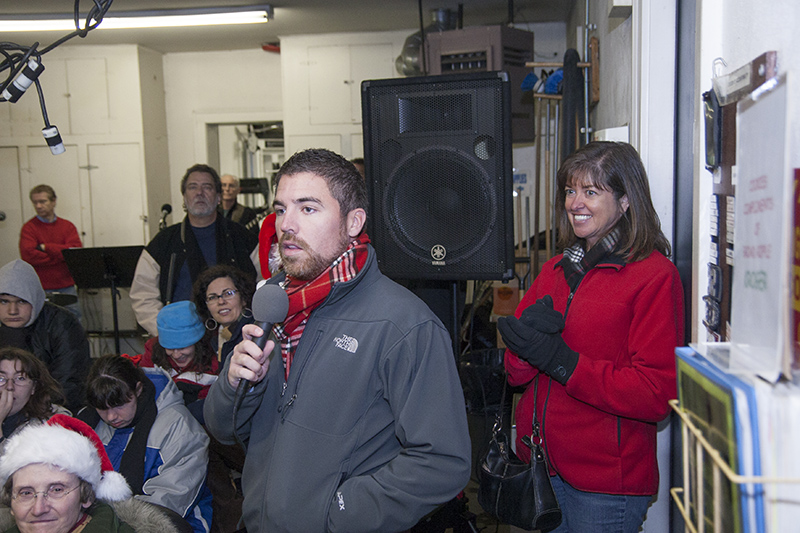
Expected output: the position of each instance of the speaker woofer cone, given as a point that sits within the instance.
(439, 205)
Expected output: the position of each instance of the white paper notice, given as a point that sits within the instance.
(761, 292)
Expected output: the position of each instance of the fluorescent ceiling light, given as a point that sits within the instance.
(166, 18)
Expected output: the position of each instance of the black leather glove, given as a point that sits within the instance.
(545, 350)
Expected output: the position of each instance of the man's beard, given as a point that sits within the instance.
(201, 210)
(313, 264)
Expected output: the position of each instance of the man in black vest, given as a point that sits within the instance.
(175, 257)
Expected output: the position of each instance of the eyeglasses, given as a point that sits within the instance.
(19, 381)
(53, 492)
(205, 187)
(227, 294)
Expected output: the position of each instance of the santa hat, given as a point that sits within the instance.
(71, 445)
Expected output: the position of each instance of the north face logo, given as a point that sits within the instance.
(346, 343)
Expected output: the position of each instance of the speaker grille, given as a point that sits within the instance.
(437, 113)
(444, 191)
(437, 152)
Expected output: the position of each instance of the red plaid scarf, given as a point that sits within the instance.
(305, 296)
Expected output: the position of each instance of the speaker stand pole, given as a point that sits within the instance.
(455, 323)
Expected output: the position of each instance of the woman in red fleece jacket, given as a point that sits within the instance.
(594, 338)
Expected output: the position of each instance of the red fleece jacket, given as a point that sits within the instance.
(625, 322)
(49, 264)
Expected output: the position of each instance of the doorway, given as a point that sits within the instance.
(251, 151)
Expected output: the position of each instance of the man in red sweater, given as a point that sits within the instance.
(42, 240)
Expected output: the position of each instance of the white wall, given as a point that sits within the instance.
(737, 31)
(215, 87)
(154, 127)
(616, 85)
(104, 101)
(549, 40)
(327, 114)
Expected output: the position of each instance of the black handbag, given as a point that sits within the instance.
(513, 491)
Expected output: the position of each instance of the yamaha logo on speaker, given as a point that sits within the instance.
(438, 252)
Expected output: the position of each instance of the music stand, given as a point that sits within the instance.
(104, 267)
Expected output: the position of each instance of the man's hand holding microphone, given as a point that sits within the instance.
(250, 359)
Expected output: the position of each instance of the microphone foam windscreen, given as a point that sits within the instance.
(270, 304)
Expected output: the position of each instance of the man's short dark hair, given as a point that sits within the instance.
(344, 181)
(200, 167)
(51, 194)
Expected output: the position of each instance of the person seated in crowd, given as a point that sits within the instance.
(28, 393)
(150, 436)
(223, 295)
(183, 350)
(50, 332)
(56, 477)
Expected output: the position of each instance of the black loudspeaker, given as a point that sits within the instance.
(437, 153)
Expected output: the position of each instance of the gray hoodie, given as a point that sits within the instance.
(19, 279)
(52, 334)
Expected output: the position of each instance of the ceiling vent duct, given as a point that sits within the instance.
(408, 62)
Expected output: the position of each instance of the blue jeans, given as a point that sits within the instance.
(591, 512)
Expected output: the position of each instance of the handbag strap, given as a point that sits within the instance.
(535, 438)
(534, 421)
(498, 420)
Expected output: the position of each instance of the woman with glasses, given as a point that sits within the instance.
(27, 392)
(56, 477)
(223, 295)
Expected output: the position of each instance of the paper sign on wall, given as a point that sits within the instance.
(761, 295)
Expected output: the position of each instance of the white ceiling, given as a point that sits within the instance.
(292, 17)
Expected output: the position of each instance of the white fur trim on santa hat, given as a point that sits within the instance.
(65, 449)
(113, 487)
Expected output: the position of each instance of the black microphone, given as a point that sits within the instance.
(166, 209)
(270, 305)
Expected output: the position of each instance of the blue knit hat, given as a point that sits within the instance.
(179, 325)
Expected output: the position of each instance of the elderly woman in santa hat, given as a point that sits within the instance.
(56, 477)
